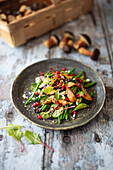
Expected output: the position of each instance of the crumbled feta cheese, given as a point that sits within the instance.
(88, 80)
(24, 96)
(63, 97)
(76, 102)
(74, 115)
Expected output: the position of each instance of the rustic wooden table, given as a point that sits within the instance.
(88, 147)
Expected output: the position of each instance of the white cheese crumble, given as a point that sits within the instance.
(76, 102)
(24, 96)
(88, 80)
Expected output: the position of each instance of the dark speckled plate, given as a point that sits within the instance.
(24, 80)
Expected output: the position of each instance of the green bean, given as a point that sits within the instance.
(59, 120)
(79, 74)
(36, 99)
(44, 106)
(71, 71)
(84, 81)
(92, 94)
(91, 84)
(33, 93)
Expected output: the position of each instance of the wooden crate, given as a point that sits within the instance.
(40, 22)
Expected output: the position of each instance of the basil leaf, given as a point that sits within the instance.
(48, 89)
(57, 95)
(13, 130)
(32, 137)
(81, 106)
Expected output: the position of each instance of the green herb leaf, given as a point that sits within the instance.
(12, 127)
(13, 130)
(60, 96)
(47, 80)
(58, 112)
(42, 100)
(57, 95)
(32, 137)
(81, 93)
(48, 89)
(81, 106)
(74, 89)
(33, 87)
(46, 115)
(82, 77)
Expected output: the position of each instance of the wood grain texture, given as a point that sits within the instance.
(88, 147)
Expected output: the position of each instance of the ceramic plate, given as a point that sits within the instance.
(24, 80)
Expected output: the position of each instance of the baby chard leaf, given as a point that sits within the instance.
(57, 95)
(34, 138)
(48, 89)
(13, 130)
(81, 106)
(46, 115)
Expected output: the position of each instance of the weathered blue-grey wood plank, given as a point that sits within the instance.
(12, 61)
(79, 148)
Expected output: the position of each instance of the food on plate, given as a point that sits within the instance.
(60, 94)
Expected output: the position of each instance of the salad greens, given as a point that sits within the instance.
(59, 94)
(15, 132)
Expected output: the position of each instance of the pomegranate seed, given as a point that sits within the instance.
(81, 81)
(79, 86)
(59, 76)
(34, 105)
(78, 79)
(37, 103)
(36, 93)
(74, 74)
(58, 72)
(67, 99)
(63, 87)
(56, 87)
(74, 112)
(39, 117)
(41, 73)
(63, 69)
(52, 77)
(78, 96)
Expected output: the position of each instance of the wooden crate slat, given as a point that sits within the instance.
(44, 20)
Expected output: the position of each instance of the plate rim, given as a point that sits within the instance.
(58, 128)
